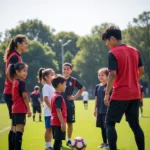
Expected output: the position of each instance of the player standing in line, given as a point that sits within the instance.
(85, 96)
(12, 55)
(125, 70)
(36, 102)
(20, 105)
(45, 77)
(59, 112)
(100, 109)
(71, 83)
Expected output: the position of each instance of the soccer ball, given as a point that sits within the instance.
(78, 143)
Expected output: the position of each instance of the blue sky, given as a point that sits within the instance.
(78, 16)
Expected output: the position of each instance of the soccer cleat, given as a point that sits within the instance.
(101, 146)
(106, 145)
(68, 143)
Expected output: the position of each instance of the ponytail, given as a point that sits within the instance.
(40, 76)
(13, 45)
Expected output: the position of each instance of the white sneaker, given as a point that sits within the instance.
(106, 146)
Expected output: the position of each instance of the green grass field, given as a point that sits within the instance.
(33, 138)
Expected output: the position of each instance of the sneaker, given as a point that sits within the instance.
(106, 145)
(101, 146)
(68, 143)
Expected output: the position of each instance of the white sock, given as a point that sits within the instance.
(48, 144)
(69, 139)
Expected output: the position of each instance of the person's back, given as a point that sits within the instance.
(35, 95)
(127, 73)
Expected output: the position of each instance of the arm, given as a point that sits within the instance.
(31, 101)
(47, 101)
(112, 67)
(59, 113)
(40, 101)
(95, 107)
(141, 68)
(26, 101)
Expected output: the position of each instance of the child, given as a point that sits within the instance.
(100, 108)
(12, 55)
(85, 95)
(20, 105)
(45, 77)
(141, 101)
(36, 102)
(71, 83)
(59, 112)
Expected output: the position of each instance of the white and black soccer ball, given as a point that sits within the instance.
(78, 143)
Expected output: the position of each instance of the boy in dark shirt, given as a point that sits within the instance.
(59, 112)
(100, 108)
(36, 102)
(71, 83)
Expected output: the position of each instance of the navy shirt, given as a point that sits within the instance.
(71, 83)
(35, 96)
(100, 93)
(58, 102)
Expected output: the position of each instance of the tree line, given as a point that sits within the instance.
(87, 53)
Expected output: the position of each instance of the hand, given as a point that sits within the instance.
(95, 113)
(63, 127)
(71, 98)
(106, 100)
(29, 114)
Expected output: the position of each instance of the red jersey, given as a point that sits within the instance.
(54, 119)
(8, 83)
(18, 103)
(126, 85)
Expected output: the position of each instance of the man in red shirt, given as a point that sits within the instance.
(125, 70)
(59, 112)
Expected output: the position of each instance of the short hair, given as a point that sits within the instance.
(68, 64)
(57, 80)
(36, 88)
(104, 70)
(112, 31)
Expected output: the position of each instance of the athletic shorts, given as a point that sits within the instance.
(9, 102)
(71, 115)
(18, 119)
(36, 109)
(101, 120)
(119, 107)
(57, 133)
(85, 102)
(48, 122)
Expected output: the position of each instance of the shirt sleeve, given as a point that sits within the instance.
(96, 90)
(78, 84)
(140, 62)
(112, 62)
(58, 102)
(45, 92)
(22, 86)
(13, 60)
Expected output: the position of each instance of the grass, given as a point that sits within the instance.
(33, 138)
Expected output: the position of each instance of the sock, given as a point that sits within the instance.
(13, 139)
(69, 139)
(33, 118)
(48, 144)
(18, 141)
(10, 139)
(39, 118)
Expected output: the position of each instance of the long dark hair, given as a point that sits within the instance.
(15, 67)
(42, 73)
(13, 45)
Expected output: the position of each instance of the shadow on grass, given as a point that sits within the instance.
(66, 148)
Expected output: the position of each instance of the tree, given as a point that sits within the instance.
(34, 30)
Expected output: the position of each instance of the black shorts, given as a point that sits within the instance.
(85, 102)
(36, 109)
(101, 120)
(119, 107)
(18, 119)
(71, 115)
(140, 104)
(57, 133)
(9, 102)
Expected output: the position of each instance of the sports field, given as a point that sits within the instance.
(85, 126)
